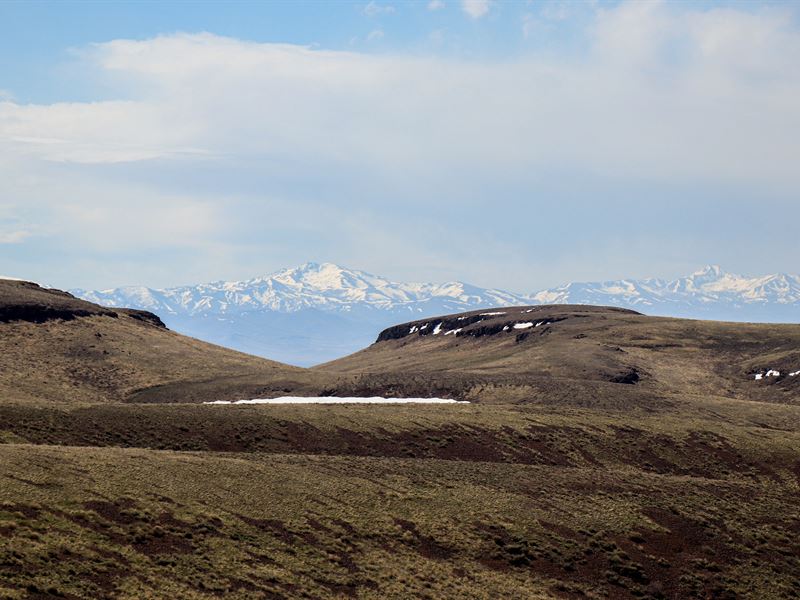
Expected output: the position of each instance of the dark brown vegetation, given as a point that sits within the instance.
(567, 477)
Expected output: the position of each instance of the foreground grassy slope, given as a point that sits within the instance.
(525, 353)
(57, 349)
(631, 458)
(196, 526)
(694, 499)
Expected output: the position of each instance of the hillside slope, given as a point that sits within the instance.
(588, 488)
(542, 352)
(57, 348)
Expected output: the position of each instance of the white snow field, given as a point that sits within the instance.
(338, 400)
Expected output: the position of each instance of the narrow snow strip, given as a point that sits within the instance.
(773, 373)
(794, 374)
(438, 329)
(412, 330)
(522, 325)
(453, 331)
(492, 314)
(337, 400)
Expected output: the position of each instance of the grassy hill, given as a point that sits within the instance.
(567, 477)
(55, 348)
(544, 352)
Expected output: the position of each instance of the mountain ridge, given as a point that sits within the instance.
(320, 311)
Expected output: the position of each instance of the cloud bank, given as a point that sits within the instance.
(661, 96)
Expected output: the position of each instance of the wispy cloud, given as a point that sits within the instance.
(14, 237)
(374, 9)
(476, 9)
(436, 5)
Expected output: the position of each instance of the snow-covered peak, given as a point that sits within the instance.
(329, 287)
(318, 311)
(326, 276)
(708, 272)
(321, 286)
(717, 293)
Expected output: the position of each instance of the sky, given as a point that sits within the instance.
(517, 145)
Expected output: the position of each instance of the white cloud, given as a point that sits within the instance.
(660, 94)
(207, 132)
(14, 237)
(375, 34)
(373, 9)
(476, 9)
(435, 5)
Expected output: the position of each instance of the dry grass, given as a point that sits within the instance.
(681, 485)
(89, 522)
(690, 500)
(584, 349)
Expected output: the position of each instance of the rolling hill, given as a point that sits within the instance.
(55, 348)
(604, 454)
(525, 353)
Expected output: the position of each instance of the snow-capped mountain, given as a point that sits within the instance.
(305, 315)
(326, 287)
(317, 312)
(708, 293)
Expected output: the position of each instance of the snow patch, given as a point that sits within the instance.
(438, 329)
(772, 373)
(523, 325)
(340, 400)
(452, 331)
(491, 314)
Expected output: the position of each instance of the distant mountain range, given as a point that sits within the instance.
(318, 312)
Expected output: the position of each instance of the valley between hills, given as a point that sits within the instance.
(602, 454)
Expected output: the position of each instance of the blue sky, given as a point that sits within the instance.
(517, 145)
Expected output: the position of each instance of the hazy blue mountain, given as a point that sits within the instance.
(318, 312)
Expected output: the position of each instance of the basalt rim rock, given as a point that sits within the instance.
(29, 302)
(492, 322)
